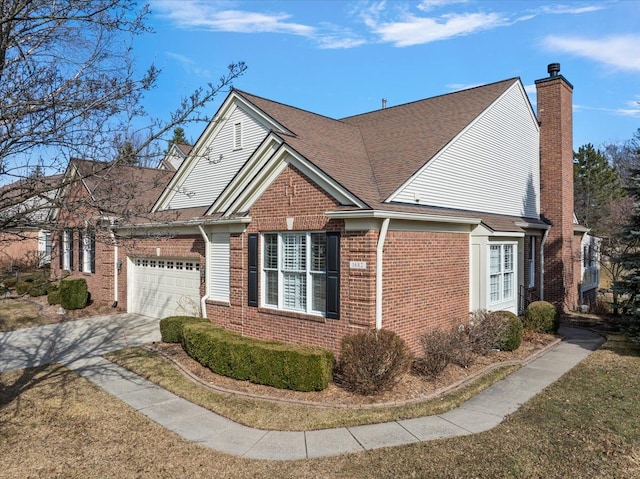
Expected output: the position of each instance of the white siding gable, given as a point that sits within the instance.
(492, 166)
(218, 160)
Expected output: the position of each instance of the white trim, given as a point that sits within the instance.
(379, 256)
(382, 214)
(207, 263)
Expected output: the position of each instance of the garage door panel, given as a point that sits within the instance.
(159, 289)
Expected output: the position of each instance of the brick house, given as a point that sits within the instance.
(287, 225)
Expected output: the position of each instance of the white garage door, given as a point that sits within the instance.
(162, 287)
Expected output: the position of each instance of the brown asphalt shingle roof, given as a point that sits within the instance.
(373, 154)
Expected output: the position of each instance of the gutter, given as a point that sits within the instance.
(379, 254)
(197, 223)
(358, 214)
(207, 249)
(115, 269)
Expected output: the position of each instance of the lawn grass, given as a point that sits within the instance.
(19, 313)
(287, 416)
(56, 424)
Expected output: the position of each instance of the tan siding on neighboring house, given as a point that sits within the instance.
(208, 178)
(491, 167)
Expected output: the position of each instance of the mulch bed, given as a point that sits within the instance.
(410, 388)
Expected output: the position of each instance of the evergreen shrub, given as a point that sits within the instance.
(372, 361)
(73, 293)
(510, 330)
(171, 327)
(541, 317)
(281, 365)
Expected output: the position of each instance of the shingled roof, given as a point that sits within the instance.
(373, 154)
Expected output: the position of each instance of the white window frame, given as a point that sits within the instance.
(67, 244)
(87, 253)
(507, 271)
(44, 247)
(532, 262)
(312, 277)
(237, 135)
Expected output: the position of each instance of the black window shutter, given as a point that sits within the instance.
(60, 250)
(252, 287)
(80, 251)
(333, 275)
(93, 251)
(70, 250)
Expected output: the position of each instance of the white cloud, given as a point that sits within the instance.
(632, 111)
(418, 30)
(620, 52)
(571, 9)
(207, 15)
(427, 5)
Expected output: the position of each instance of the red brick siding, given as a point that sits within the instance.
(556, 190)
(426, 283)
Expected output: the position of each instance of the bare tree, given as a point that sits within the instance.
(68, 87)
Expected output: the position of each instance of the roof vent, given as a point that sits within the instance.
(553, 69)
(384, 103)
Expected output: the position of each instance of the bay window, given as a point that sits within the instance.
(501, 273)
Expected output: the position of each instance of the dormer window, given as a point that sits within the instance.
(237, 136)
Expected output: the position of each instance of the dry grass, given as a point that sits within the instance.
(55, 424)
(272, 415)
(27, 312)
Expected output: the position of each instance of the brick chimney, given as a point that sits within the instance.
(556, 187)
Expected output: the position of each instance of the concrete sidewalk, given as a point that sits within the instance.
(482, 412)
(80, 344)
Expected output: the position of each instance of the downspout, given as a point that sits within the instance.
(115, 269)
(207, 249)
(544, 240)
(379, 254)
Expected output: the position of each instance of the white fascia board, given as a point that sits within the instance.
(283, 157)
(245, 176)
(516, 84)
(185, 227)
(533, 226)
(382, 214)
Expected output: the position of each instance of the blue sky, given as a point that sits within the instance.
(340, 58)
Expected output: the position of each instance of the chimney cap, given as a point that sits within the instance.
(553, 69)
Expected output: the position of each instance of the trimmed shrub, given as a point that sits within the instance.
(54, 297)
(461, 352)
(73, 293)
(285, 366)
(436, 350)
(372, 361)
(23, 287)
(171, 327)
(510, 331)
(541, 317)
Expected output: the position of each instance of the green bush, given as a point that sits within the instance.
(54, 297)
(23, 287)
(285, 366)
(510, 331)
(541, 317)
(73, 293)
(171, 327)
(372, 361)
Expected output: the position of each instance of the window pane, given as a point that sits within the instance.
(508, 257)
(494, 287)
(271, 251)
(271, 284)
(508, 286)
(295, 291)
(319, 292)
(494, 259)
(318, 252)
(294, 252)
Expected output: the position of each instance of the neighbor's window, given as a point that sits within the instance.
(501, 272)
(67, 250)
(87, 251)
(294, 266)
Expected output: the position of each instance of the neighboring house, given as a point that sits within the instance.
(95, 197)
(174, 157)
(590, 269)
(25, 238)
(287, 225)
